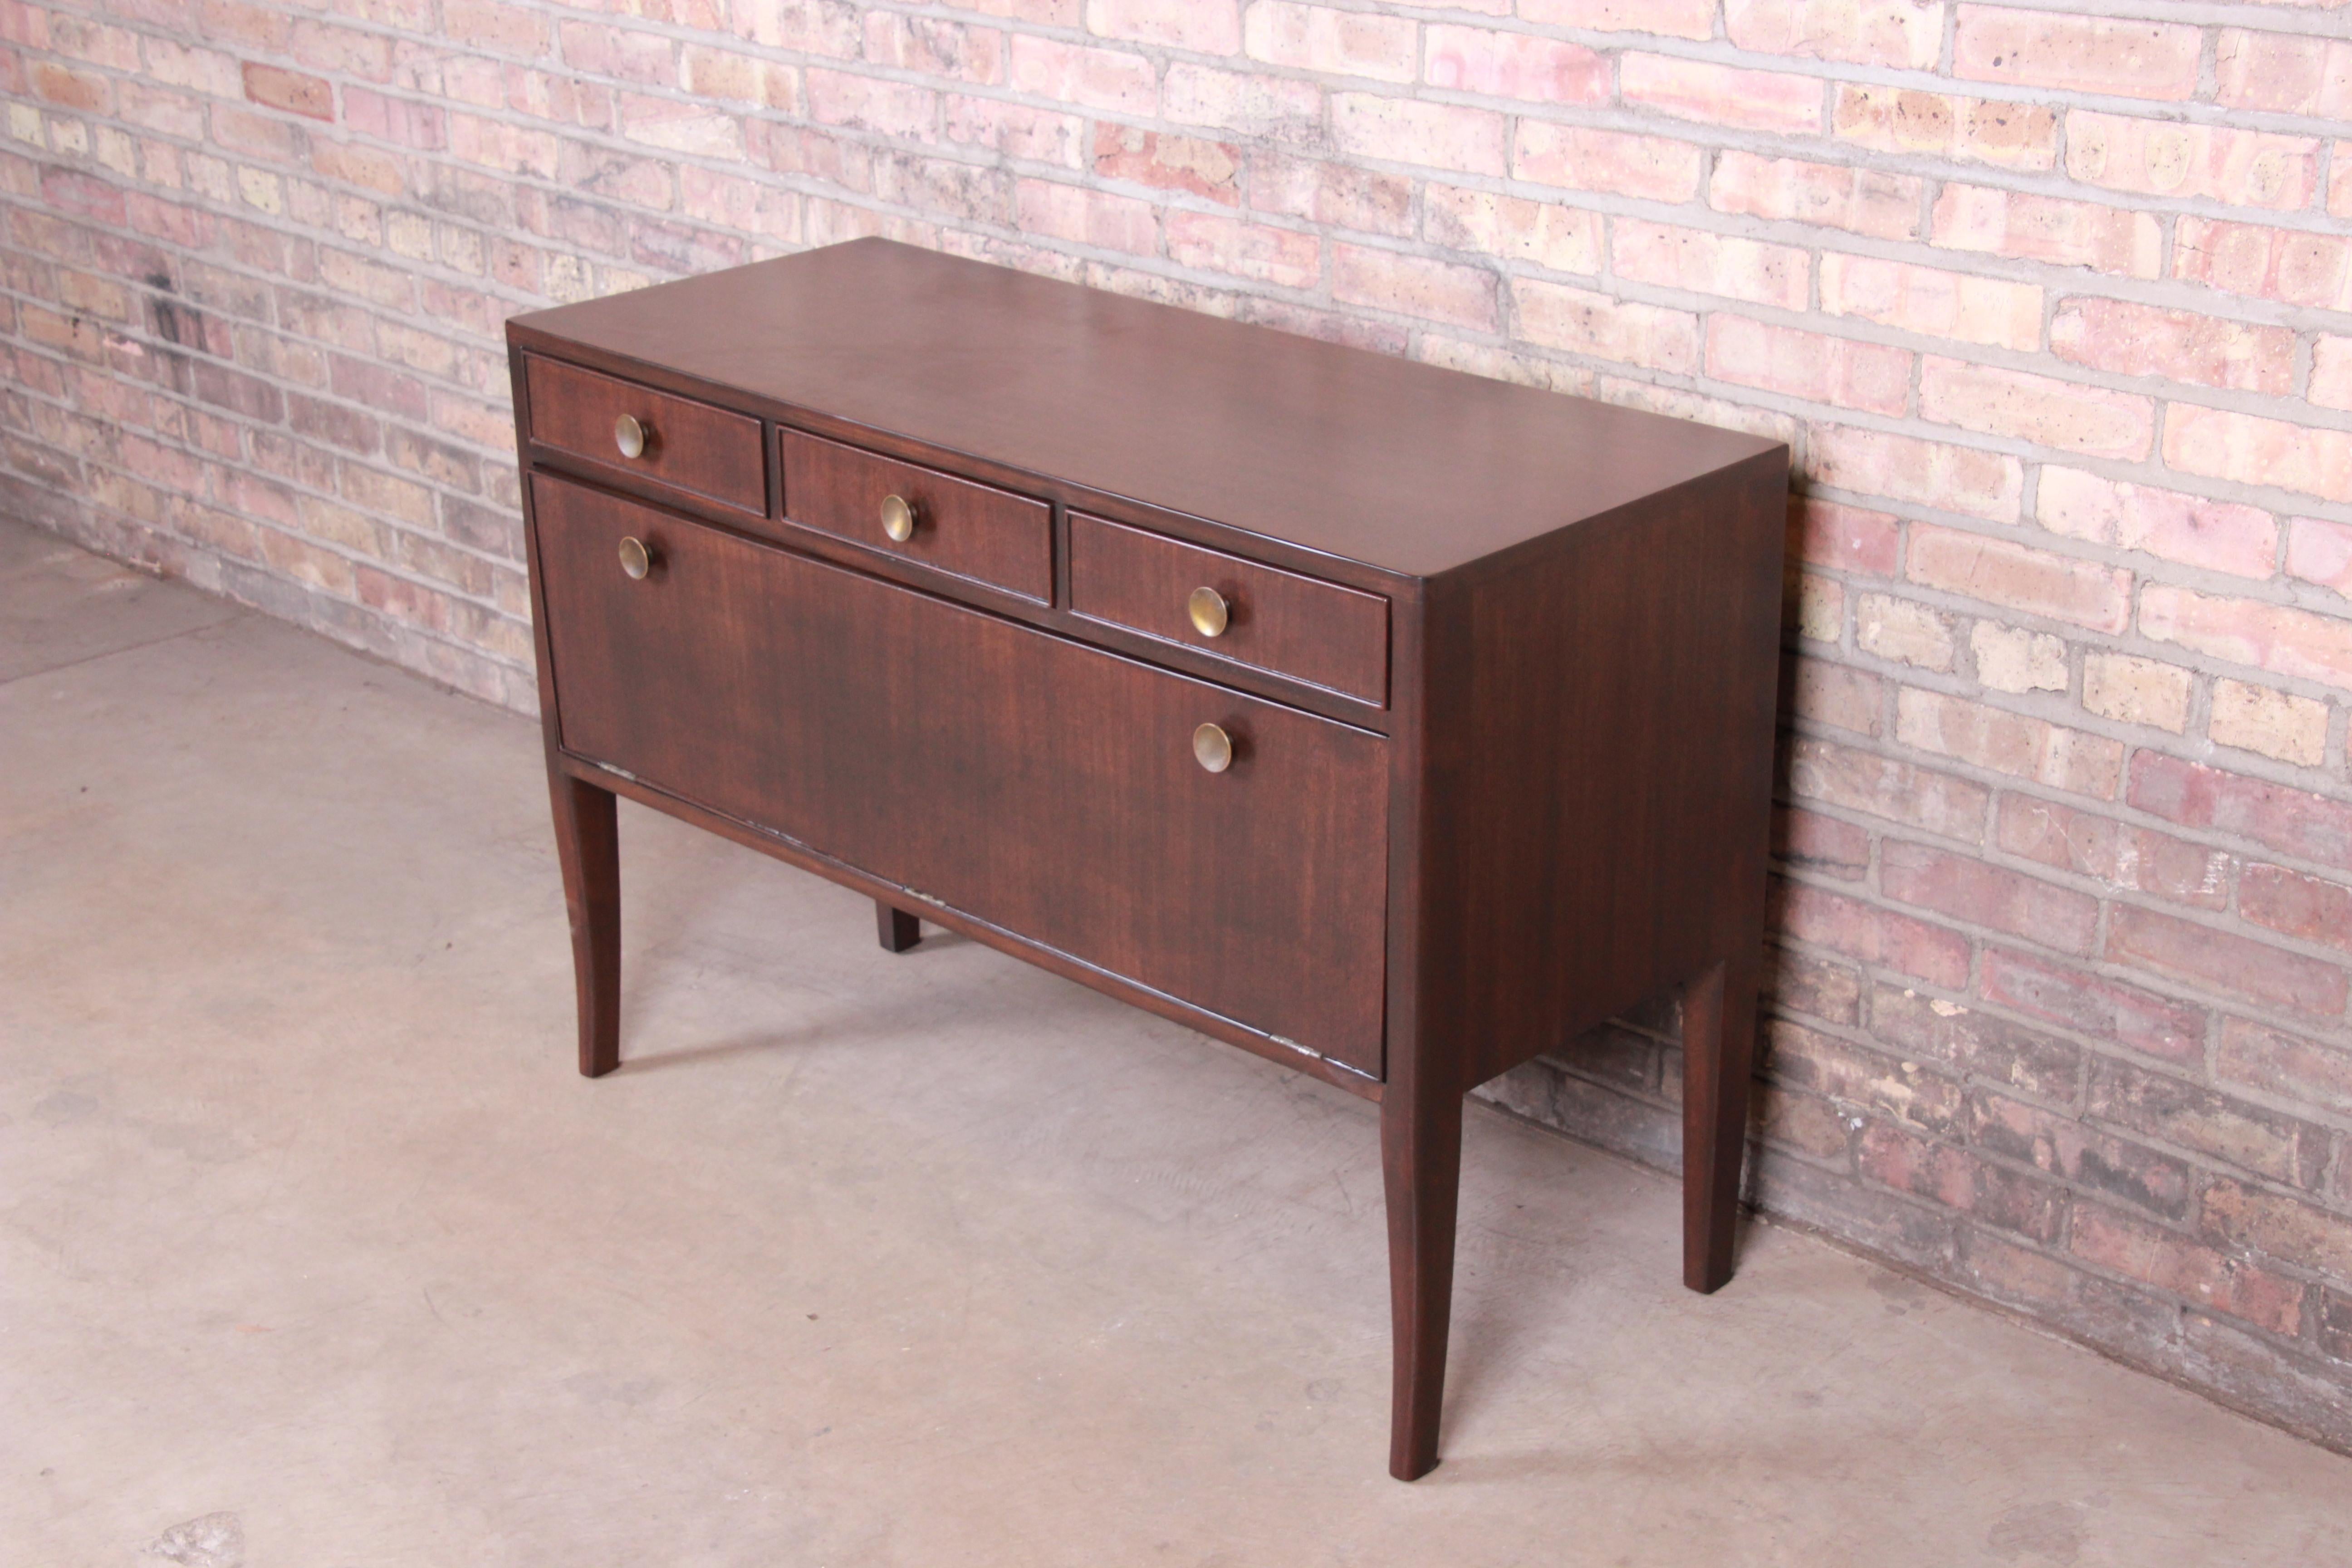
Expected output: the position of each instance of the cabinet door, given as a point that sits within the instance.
(1049, 788)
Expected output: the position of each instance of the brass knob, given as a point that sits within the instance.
(635, 559)
(630, 436)
(899, 517)
(1208, 611)
(1212, 747)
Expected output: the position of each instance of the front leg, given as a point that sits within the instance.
(1421, 1157)
(587, 843)
(898, 930)
(1718, 1075)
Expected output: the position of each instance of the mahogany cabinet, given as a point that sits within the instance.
(1392, 723)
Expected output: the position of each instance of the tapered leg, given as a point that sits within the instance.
(587, 841)
(1421, 1155)
(1718, 1068)
(899, 930)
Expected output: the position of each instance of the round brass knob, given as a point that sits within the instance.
(630, 436)
(1208, 611)
(635, 559)
(899, 517)
(1212, 747)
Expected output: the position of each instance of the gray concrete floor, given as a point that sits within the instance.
(313, 1249)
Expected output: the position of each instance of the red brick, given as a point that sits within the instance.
(396, 120)
(1207, 27)
(2029, 227)
(486, 24)
(2294, 266)
(1932, 301)
(2174, 1262)
(2094, 1006)
(2061, 1146)
(1973, 1043)
(1847, 538)
(1583, 321)
(2137, 859)
(1869, 934)
(1506, 65)
(2166, 158)
(2004, 132)
(1967, 888)
(1172, 162)
(1408, 130)
(73, 192)
(1835, 694)
(2285, 73)
(2075, 54)
(2320, 552)
(1708, 263)
(2180, 345)
(1562, 239)
(1283, 257)
(2288, 1067)
(2252, 450)
(1016, 130)
(2282, 1227)
(2216, 960)
(69, 89)
(1812, 842)
(1435, 291)
(2291, 821)
(2036, 408)
(1082, 78)
(1581, 158)
(1817, 987)
(1825, 1065)
(1089, 217)
(2192, 1117)
(1958, 1180)
(2036, 582)
(1273, 109)
(2221, 536)
(1324, 38)
(1863, 201)
(1722, 95)
(2277, 638)
(2290, 902)
(296, 93)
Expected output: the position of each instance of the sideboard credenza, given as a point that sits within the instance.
(1392, 723)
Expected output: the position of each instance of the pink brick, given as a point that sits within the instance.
(1707, 263)
(2289, 265)
(1870, 935)
(2291, 821)
(2012, 743)
(2221, 536)
(1285, 257)
(2045, 228)
(1932, 301)
(2331, 372)
(1899, 34)
(1017, 129)
(1562, 239)
(1848, 538)
(2215, 960)
(2339, 181)
(2036, 582)
(486, 24)
(1863, 201)
(1325, 38)
(1722, 95)
(1340, 194)
(1087, 217)
(1412, 286)
(1809, 365)
(2180, 345)
(90, 92)
(1514, 65)
(2002, 133)
(1606, 327)
(2127, 858)
(2174, 1262)
(1406, 131)
(1207, 27)
(2094, 1006)
(1674, 18)
(2309, 909)
(395, 119)
(1581, 158)
(872, 103)
(2252, 450)
(1083, 77)
(644, 58)
(1281, 108)
(1930, 473)
(1966, 888)
(935, 49)
(2075, 54)
(2277, 638)
(2261, 1058)
(2163, 158)
(1856, 780)
(2320, 552)
(1172, 162)
(2035, 408)
(1819, 843)
(2285, 73)
(1836, 695)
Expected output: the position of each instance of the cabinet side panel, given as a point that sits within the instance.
(1603, 765)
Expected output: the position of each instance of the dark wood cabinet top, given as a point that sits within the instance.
(1398, 465)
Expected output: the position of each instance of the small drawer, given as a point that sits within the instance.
(1273, 620)
(676, 442)
(960, 526)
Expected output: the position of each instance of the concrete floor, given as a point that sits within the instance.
(313, 1249)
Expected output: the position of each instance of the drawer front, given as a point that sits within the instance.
(1273, 620)
(961, 527)
(1045, 786)
(689, 447)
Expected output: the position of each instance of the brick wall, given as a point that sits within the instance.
(2054, 304)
